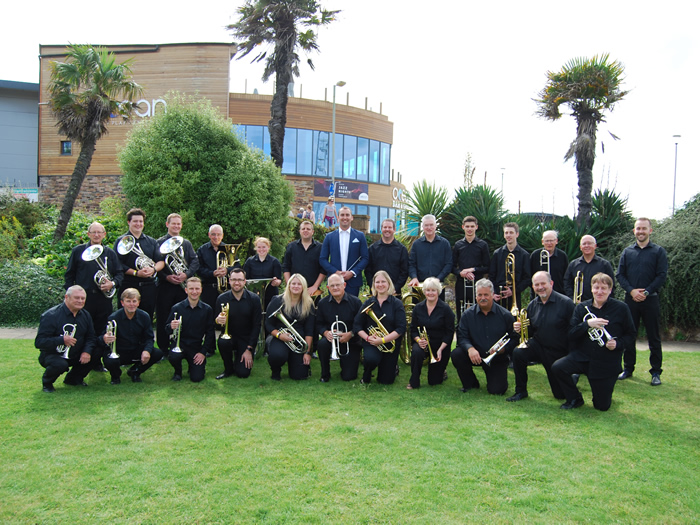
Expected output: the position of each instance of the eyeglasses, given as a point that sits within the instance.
(238, 280)
(97, 232)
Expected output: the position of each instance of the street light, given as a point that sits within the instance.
(675, 166)
(340, 83)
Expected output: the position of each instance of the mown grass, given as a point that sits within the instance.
(258, 451)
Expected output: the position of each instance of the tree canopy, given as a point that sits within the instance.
(190, 161)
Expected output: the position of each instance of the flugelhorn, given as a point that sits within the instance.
(578, 287)
(338, 328)
(92, 253)
(69, 330)
(224, 310)
(128, 244)
(496, 349)
(112, 330)
(298, 344)
(174, 260)
(176, 335)
(423, 334)
(599, 335)
(379, 330)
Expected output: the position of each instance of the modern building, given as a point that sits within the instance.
(363, 138)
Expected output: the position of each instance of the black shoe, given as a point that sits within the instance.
(177, 377)
(134, 374)
(324, 380)
(49, 389)
(100, 369)
(398, 371)
(575, 378)
(115, 381)
(276, 376)
(224, 375)
(576, 403)
(625, 374)
(444, 376)
(476, 386)
(655, 379)
(517, 396)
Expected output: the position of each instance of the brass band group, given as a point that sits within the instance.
(573, 326)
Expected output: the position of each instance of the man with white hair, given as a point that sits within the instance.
(588, 264)
(430, 255)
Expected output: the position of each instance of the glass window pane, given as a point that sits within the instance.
(338, 161)
(266, 140)
(386, 164)
(374, 161)
(362, 158)
(373, 219)
(361, 209)
(254, 134)
(349, 157)
(304, 150)
(289, 151)
(322, 152)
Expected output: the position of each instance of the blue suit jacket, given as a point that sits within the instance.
(330, 255)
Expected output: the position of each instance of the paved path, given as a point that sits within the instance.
(668, 346)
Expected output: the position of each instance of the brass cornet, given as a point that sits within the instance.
(423, 334)
(176, 335)
(379, 330)
(496, 349)
(112, 330)
(578, 287)
(298, 344)
(92, 253)
(69, 330)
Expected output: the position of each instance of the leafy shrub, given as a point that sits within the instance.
(26, 291)
(29, 214)
(425, 199)
(11, 233)
(482, 202)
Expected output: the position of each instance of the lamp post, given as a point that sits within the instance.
(675, 167)
(340, 83)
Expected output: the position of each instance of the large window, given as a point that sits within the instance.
(304, 151)
(362, 158)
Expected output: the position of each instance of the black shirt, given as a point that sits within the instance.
(133, 335)
(149, 246)
(603, 362)
(346, 310)
(50, 332)
(558, 263)
(186, 251)
(244, 316)
(643, 268)
(304, 326)
(597, 265)
(440, 324)
(207, 263)
(256, 269)
(482, 331)
(467, 254)
(83, 273)
(304, 261)
(497, 272)
(395, 320)
(392, 258)
(197, 325)
(549, 322)
(430, 259)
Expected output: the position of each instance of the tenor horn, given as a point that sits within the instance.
(93, 253)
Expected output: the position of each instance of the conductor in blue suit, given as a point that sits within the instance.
(345, 253)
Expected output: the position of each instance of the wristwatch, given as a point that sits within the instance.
(646, 293)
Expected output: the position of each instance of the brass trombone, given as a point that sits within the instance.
(174, 259)
(92, 253)
(224, 310)
(176, 335)
(298, 344)
(578, 287)
(496, 349)
(510, 281)
(379, 330)
(69, 330)
(128, 244)
(430, 358)
(112, 330)
(467, 304)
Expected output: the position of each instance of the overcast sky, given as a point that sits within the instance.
(455, 78)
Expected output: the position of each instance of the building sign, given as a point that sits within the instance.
(31, 194)
(398, 199)
(343, 189)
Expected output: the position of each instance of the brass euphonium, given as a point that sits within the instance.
(298, 344)
(224, 310)
(598, 335)
(176, 335)
(430, 358)
(510, 281)
(92, 253)
(69, 330)
(112, 330)
(174, 259)
(496, 349)
(338, 328)
(128, 244)
(379, 330)
(578, 287)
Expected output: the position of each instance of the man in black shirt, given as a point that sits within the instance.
(480, 328)
(195, 338)
(470, 261)
(550, 259)
(209, 271)
(430, 255)
(588, 264)
(239, 314)
(139, 272)
(133, 340)
(302, 257)
(389, 255)
(98, 300)
(497, 272)
(171, 285)
(66, 339)
(342, 307)
(549, 315)
(642, 273)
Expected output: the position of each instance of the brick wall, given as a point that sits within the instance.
(303, 194)
(94, 189)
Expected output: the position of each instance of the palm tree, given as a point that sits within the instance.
(587, 86)
(278, 23)
(84, 92)
(425, 198)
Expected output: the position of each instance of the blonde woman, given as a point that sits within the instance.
(297, 308)
(262, 265)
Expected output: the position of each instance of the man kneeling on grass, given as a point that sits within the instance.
(128, 338)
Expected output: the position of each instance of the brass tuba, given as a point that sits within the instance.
(578, 287)
(598, 335)
(298, 344)
(128, 244)
(92, 253)
(379, 330)
(174, 259)
(68, 329)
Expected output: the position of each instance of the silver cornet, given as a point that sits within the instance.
(128, 244)
(92, 253)
(112, 330)
(496, 349)
(599, 335)
(338, 328)
(176, 335)
(69, 330)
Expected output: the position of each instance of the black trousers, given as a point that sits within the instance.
(647, 311)
(536, 352)
(100, 308)
(231, 351)
(436, 371)
(496, 373)
(278, 353)
(55, 365)
(601, 388)
(130, 358)
(196, 371)
(168, 295)
(384, 362)
(349, 363)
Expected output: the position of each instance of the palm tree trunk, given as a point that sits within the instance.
(587, 126)
(585, 199)
(278, 107)
(87, 149)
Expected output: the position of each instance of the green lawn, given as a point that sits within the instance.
(258, 451)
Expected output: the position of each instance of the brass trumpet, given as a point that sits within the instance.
(92, 253)
(224, 310)
(379, 330)
(578, 287)
(128, 244)
(338, 328)
(176, 335)
(174, 256)
(69, 330)
(298, 344)
(598, 335)
(112, 330)
(496, 349)
(423, 334)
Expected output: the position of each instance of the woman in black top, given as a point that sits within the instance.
(436, 317)
(262, 265)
